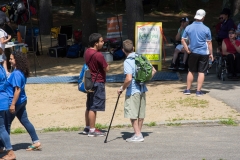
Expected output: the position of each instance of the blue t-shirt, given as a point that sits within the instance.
(16, 79)
(198, 34)
(3, 94)
(129, 68)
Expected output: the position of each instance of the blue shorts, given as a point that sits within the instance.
(96, 100)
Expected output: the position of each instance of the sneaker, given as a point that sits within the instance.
(135, 138)
(172, 66)
(85, 131)
(199, 93)
(186, 91)
(96, 133)
(182, 66)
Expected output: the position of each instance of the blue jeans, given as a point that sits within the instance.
(5, 139)
(21, 113)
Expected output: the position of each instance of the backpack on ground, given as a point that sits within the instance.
(74, 51)
(143, 69)
(118, 54)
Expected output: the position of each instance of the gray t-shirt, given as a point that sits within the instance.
(3, 18)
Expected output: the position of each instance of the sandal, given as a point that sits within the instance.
(34, 148)
(2, 150)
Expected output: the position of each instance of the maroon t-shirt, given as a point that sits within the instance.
(229, 45)
(96, 63)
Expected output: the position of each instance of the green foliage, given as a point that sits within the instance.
(173, 124)
(100, 126)
(151, 124)
(193, 102)
(229, 122)
(18, 131)
(57, 129)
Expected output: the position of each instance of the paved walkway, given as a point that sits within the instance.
(164, 143)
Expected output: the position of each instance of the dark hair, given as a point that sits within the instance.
(226, 11)
(21, 62)
(94, 38)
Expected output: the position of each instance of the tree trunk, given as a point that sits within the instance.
(134, 12)
(45, 16)
(179, 5)
(235, 7)
(89, 20)
(77, 10)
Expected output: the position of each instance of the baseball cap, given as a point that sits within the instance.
(226, 11)
(232, 29)
(184, 19)
(200, 14)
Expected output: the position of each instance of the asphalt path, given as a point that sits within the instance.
(162, 142)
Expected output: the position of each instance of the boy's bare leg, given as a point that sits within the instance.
(189, 80)
(201, 77)
(135, 127)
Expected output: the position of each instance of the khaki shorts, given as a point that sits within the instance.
(135, 106)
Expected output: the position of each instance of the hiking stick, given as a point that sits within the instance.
(112, 119)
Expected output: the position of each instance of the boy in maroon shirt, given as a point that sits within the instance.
(95, 100)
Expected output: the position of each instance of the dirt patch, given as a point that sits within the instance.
(62, 105)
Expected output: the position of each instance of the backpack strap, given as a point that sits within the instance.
(90, 70)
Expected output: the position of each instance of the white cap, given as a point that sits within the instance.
(200, 14)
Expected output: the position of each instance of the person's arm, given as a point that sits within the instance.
(126, 83)
(185, 46)
(5, 66)
(3, 40)
(209, 43)
(235, 46)
(153, 71)
(178, 36)
(15, 99)
(224, 48)
(107, 68)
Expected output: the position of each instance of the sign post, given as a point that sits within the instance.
(148, 41)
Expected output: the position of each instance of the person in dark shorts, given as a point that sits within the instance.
(95, 100)
(200, 50)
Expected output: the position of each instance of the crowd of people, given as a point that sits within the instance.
(227, 38)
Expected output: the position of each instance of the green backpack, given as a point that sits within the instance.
(143, 70)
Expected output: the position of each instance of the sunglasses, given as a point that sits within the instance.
(231, 32)
(220, 18)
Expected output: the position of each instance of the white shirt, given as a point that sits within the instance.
(3, 34)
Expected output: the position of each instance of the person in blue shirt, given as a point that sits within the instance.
(15, 88)
(200, 50)
(135, 100)
(4, 136)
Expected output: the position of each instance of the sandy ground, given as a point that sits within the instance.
(62, 105)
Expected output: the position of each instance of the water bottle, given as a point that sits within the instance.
(209, 63)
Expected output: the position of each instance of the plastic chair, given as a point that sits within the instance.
(65, 29)
(68, 30)
(32, 43)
